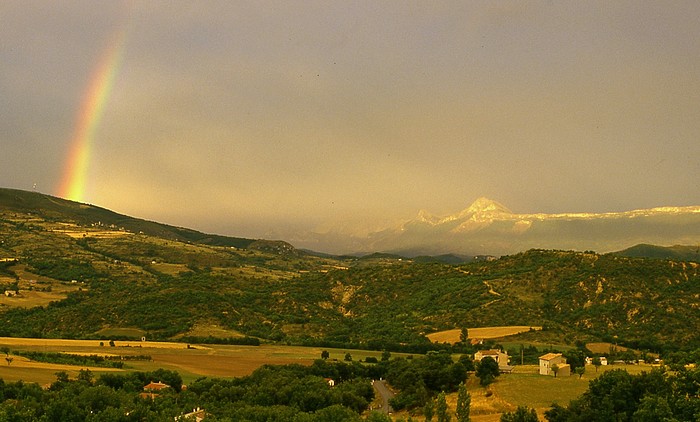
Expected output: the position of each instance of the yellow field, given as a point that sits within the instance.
(206, 329)
(605, 348)
(193, 362)
(452, 336)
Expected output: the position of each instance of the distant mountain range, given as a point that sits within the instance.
(487, 227)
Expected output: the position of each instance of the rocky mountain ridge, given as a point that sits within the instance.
(489, 227)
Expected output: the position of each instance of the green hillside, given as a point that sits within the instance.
(677, 252)
(78, 279)
(53, 209)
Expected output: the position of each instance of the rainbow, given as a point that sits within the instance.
(74, 179)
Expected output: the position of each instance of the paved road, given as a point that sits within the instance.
(385, 393)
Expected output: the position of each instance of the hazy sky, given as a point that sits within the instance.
(256, 118)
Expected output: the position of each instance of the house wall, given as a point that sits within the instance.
(546, 365)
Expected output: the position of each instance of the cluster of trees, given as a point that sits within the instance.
(653, 396)
(7, 271)
(271, 393)
(438, 407)
(419, 380)
(67, 269)
(71, 359)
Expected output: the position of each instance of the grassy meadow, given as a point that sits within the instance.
(525, 387)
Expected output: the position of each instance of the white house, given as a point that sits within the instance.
(549, 360)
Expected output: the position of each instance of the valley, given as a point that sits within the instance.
(79, 279)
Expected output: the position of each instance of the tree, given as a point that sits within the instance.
(86, 376)
(521, 414)
(325, 355)
(9, 360)
(61, 376)
(580, 371)
(575, 358)
(5, 350)
(464, 335)
(555, 369)
(386, 355)
(487, 370)
(348, 357)
(441, 408)
(429, 410)
(596, 362)
(464, 400)
(467, 361)
(653, 408)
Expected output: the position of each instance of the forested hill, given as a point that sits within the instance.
(677, 252)
(80, 280)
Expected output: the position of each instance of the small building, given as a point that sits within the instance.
(603, 360)
(499, 356)
(330, 382)
(549, 360)
(506, 369)
(151, 390)
(196, 415)
(563, 370)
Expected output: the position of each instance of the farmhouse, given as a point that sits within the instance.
(549, 360)
(150, 390)
(499, 356)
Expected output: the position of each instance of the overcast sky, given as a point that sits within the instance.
(256, 118)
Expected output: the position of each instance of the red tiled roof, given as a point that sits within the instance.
(550, 356)
(156, 386)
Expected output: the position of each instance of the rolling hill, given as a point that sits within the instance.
(677, 252)
(53, 209)
(82, 271)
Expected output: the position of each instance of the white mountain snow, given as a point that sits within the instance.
(488, 227)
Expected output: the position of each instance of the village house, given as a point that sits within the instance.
(499, 356)
(603, 360)
(548, 361)
(151, 390)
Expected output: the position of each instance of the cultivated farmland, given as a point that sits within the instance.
(453, 336)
